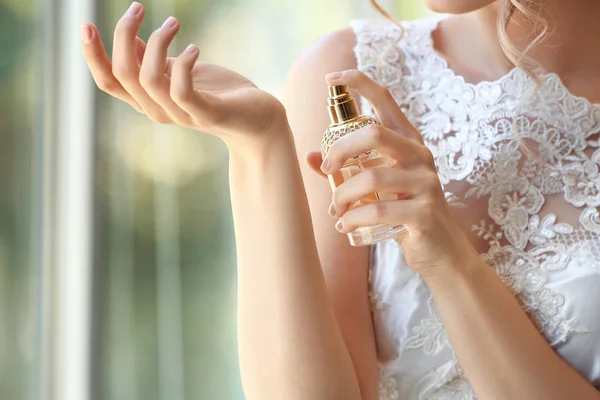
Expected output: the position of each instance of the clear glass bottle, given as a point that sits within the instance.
(346, 119)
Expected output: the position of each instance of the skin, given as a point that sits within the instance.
(456, 6)
(304, 323)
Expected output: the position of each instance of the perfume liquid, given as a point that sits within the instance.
(345, 119)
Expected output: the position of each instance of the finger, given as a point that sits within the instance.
(169, 68)
(314, 160)
(200, 106)
(384, 182)
(386, 142)
(101, 67)
(152, 73)
(406, 213)
(385, 106)
(140, 50)
(125, 66)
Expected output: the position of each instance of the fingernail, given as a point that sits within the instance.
(325, 165)
(191, 49)
(134, 9)
(86, 34)
(170, 23)
(332, 210)
(334, 76)
(339, 226)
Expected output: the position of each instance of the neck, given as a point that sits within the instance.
(572, 44)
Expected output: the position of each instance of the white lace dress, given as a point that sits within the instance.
(536, 223)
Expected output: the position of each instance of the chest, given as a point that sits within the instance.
(513, 179)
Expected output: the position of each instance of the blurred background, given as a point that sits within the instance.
(116, 239)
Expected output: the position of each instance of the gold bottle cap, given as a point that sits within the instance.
(342, 106)
(345, 117)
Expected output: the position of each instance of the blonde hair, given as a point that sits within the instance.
(530, 10)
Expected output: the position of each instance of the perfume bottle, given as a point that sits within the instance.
(346, 119)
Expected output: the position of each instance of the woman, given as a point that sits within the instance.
(492, 293)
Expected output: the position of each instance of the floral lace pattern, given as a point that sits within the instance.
(582, 183)
(388, 386)
(457, 389)
(472, 131)
(429, 334)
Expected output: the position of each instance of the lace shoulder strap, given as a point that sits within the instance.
(389, 54)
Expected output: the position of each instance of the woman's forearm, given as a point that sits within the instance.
(289, 343)
(502, 353)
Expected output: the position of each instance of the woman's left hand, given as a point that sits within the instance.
(434, 239)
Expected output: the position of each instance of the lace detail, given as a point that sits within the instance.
(388, 385)
(537, 217)
(429, 334)
(376, 303)
(457, 389)
(582, 184)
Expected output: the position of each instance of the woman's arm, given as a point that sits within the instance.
(503, 354)
(297, 338)
(501, 351)
(346, 268)
(291, 345)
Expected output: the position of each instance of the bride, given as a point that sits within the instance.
(492, 118)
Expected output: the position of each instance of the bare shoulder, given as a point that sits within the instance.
(306, 90)
(331, 50)
(329, 53)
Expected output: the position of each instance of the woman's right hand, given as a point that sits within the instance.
(180, 91)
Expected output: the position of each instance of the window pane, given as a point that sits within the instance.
(20, 83)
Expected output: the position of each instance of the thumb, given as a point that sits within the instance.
(314, 160)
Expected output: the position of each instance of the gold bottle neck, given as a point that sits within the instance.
(342, 106)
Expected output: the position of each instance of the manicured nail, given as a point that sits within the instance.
(332, 210)
(86, 34)
(170, 23)
(334, 76)
(339, 226)
(325, 165)
(191, 49)
(134, 9)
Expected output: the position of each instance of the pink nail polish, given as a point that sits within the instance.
(86, 34)
(339, 226)
(334, 76)
(191, 49)
(170, 23)
(134, 10)
(325, 166)
(332, 210)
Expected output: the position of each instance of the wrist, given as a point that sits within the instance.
(268, 148)
(455, 272)
(270, 130)
(278, 138)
